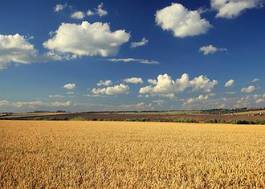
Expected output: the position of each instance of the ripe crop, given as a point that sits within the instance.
(81, 154)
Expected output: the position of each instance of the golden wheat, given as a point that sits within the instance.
(79, 154)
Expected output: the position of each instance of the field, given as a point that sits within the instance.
(219, 116)
(81, 154)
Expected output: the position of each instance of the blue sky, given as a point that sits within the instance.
(147, 55)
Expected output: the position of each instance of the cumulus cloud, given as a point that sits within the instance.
(164, 85)
(210, 49)
(90, 13)
(100, 10)
(59, 7)
(87, 39)
(111, 90)
(181, 21)
(250, 101)
(152, 81)
(17, 49)
(70, 86)
(202, 83)
(249, 89)
(143, 42)
(197, 99)
(4, 103)
(134, 80)
(78, 15)
(229, 83)
(104, 83)
(233, 8)
(260, 99)
(131, 60)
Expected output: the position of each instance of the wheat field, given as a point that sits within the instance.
(80, 154)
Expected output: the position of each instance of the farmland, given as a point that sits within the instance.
(87, 154)
(207, 116)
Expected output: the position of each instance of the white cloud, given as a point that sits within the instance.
(129, 60)
(141, 106)
(59, 7)
(229, 83)
(87, 39)
(78, 15)
(202, 83)
(181, 21)
(30, 104)
(90, 13)
(33, 104)
(143, 42)
(17, 49)
(20, 104)
(134, 80)
(197, 99)
(250, 101)
(164, 85)
(61, 103)
(56, 96)
(210, 49)
(152, 81)
(260, 99)
(255, 80)
(4, 103)
(104, 83)
(70, 86)
(249, 89)
(111, 90)
(233, 8)
(100, 10)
